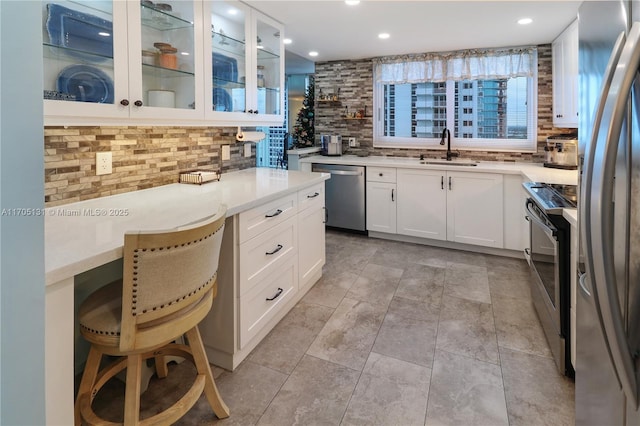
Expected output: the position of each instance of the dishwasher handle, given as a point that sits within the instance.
(339, 172)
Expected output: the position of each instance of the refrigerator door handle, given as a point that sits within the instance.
(602, 215)
(585, 193)
(582, 281)
(585, 198)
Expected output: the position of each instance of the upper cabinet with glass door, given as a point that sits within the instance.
(110, 61)
(82, 58)
(166, 70)
(246, 67)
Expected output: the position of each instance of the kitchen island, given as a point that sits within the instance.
(89, 234)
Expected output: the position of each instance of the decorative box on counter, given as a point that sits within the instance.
(199, 177)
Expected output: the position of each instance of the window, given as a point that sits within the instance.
(487, 111)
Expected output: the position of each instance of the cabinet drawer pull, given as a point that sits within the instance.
(124, 102)
(441, 182)
(449, 183)
(275, 296)
(274, 214)
(392, 191)
(277, 249)
(138, 103)
(314, 195)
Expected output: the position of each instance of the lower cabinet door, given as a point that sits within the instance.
(381, 207)
(267, 299)
(475, 209)
(422, 203)
(311, 244)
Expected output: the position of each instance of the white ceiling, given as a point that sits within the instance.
(338, 31)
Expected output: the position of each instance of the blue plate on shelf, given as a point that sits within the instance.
(221, 100)
(86, 83)
(224, 67)
(80, 32)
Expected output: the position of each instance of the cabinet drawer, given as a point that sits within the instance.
(257, 220)
(311, 197)
(381, 174)
(266, 300)
(267, 251)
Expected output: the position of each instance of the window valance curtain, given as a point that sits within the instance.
(459, 65)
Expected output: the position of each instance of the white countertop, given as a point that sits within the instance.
(83, 235)
(534, 172)
(301, 151)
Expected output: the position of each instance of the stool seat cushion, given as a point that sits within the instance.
(101, 313)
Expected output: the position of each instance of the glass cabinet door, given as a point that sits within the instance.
(269, 72)
(166, 59)
(78, 51)
(228, 56)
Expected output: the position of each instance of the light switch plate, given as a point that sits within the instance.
(247, 150)
(103, 163)
(226, 152)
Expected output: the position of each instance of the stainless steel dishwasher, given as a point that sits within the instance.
(345, 196)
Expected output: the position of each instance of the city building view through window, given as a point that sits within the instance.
(481, 109)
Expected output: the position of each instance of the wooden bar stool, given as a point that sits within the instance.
(168, 286)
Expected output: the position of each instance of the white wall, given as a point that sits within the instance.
(21, 236)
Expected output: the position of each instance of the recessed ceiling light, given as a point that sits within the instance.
(352, 2)
(287, 41)
(525, 21)
(233, 11)
(313, 53)
(383, 35)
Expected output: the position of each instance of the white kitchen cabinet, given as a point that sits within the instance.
(381, 199)
(422, 203)
(187, 62)
(102, 62)
(268, 276)
(516, 228)
(271, 255)
(564, 62)
(462, 207)
(246, 65)
(475, 208)
(311, 235)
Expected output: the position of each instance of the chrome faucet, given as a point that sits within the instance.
(450, 154)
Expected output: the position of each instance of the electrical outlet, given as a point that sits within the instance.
(352, 142)
(226, 152)
(103, 163)
(247, 150)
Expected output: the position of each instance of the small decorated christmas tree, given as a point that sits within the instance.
(303, 131)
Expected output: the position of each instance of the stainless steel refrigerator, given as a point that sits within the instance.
(608, 295)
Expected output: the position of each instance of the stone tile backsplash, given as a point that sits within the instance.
(148, 156)
(143, 157)
(354, 80)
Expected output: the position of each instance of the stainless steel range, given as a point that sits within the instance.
(549, 260)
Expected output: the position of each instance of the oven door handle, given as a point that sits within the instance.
(551, 231)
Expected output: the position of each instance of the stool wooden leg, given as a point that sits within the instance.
(202, 365)
(132, 390)
(161, 366)
(88, 380)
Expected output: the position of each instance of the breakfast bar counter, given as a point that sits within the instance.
(85, 235)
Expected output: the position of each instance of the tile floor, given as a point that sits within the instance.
(393, 334)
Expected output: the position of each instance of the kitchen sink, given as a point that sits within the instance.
(450, 163)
